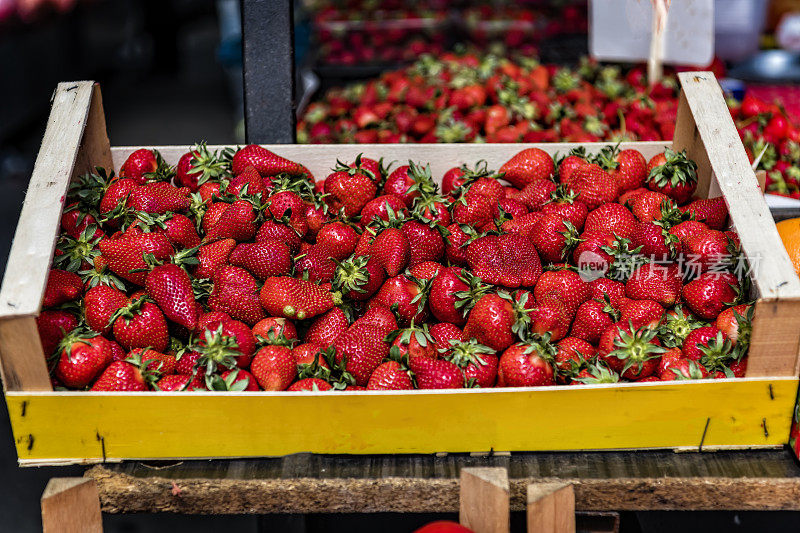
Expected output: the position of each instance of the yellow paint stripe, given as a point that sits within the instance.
(53, 426)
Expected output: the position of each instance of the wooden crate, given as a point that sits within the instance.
(68, 427)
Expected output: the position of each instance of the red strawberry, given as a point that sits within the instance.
(275, 328)
(704, 340)
(447, 291)
(180, 231)
(426, 270)
(82, 357)
(433, 373)
(125, 376)
(236, 292)
(682, 369)
(237, 221)
(390, 375)
(563, 285)
(613, 218)
(477, 362)
(139, 163)
(453, 179)
(266, 163)
(249, 181)
(170, 287)
(198, 166)
(443, 333)
(673, 174)
(339, 238)
(100, 303)
(235, 380)
(287, 205)
(407, 295)
(571, 356)
(294, 298)
(180, 382)
(159, 197)
(641, 313)
(456, 242)
(350, 191)
(316, 264)
(378, 317)
(736, 323)
(632, 351)
(409, 182)
(629, 167)
(710, 293)
(537, 194)
(686, 229)
(591, 319)
(380, 207)
(425, 242)
(53, 325)
(116, 195)
(358, 278)
(413, 341)
(155, 361)
(656, 242)
(496, 320)
(310, 385)
(527, 364)
(713, 212)
(437, 209)
(508, 260)
(567, 167)
(593, 186)
(527, 166)
(554, 237)
(391, 250)
(141, 324)
(565, 205)
(263, 259)
(213, 256)
(278, 231)
(476, 210)
(650, 206)
(552, 317)
(274, 368)
(660, 283)
(62, 287)
(126, 253)
(707, 250)
(615, 290)
(226, 344)
(362, 349)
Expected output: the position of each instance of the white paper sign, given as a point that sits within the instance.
(620, 30)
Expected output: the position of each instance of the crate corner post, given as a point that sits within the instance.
(551, 508)
(484, 500)
(71, 505)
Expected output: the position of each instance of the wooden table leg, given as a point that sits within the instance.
(71, 505)
(551, 508)
(484, 500)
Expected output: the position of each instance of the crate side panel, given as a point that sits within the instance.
(774, 345)
(52, 426)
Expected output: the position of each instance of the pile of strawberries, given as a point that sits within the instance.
(240, 271)
(473, 98)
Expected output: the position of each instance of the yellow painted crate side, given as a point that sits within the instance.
(97, 426)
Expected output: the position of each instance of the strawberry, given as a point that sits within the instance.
(650, 206)
(273, 330)
(444, 332)
(391, 250)
(159, 198)
(226, 344)
(294, 298)
(453, 179)
(631, 351)
(171, 289)
(673, 174)
(235, 292)
(235, 380)
(598, 373)
(409, 182)
(571, 356)
(316, 264)
(707, 250)
(407, 295)
(125, 254)
(263, 259)
(424, 241)
(537, 194)
(140, 324)
(81, 358)
(527, 166)
(339, 238)
(198, 166)
(613, 218)
(390, 375)
(155, 361)
(249, 181)
(593, 186)
(180, 382)
(552, 317)
(381, 208)
(362, 348)
(710, 293)
(508, 260)
(563, 285)
(713, 212)
(651, 281)
(425, 271)
(701, 338)
(686, 229)
(62, 287)
(358, 278)
(676, 327)
(180, 231)
(310, 385)
(274, 368)
(273, 230)
(433, 373)
(554, 237)
(641, 313)
(655, 242)
(456, 241)
(629, 166)
(497, 320)
(477, 362)
(212, 257)
(447, 290)
(683, 369)
(527, 364)
(563, 203)
(516, 209)
(116, 197)
(413, 341)
(567, 166)
(736, 324)
(287, 205)
(100, 304)
(266, 163)
(591, 319)
(237, 221)
(476, 210)
(349, 191)
(140, 163)
(128, 376)
(604, 287)
(53, 325)
(378, 317)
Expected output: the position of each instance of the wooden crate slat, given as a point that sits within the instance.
(32, 248)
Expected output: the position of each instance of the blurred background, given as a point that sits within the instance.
(171, 73)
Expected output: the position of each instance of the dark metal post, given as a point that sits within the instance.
(268, 53)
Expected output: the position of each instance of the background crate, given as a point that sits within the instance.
(53, 427)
